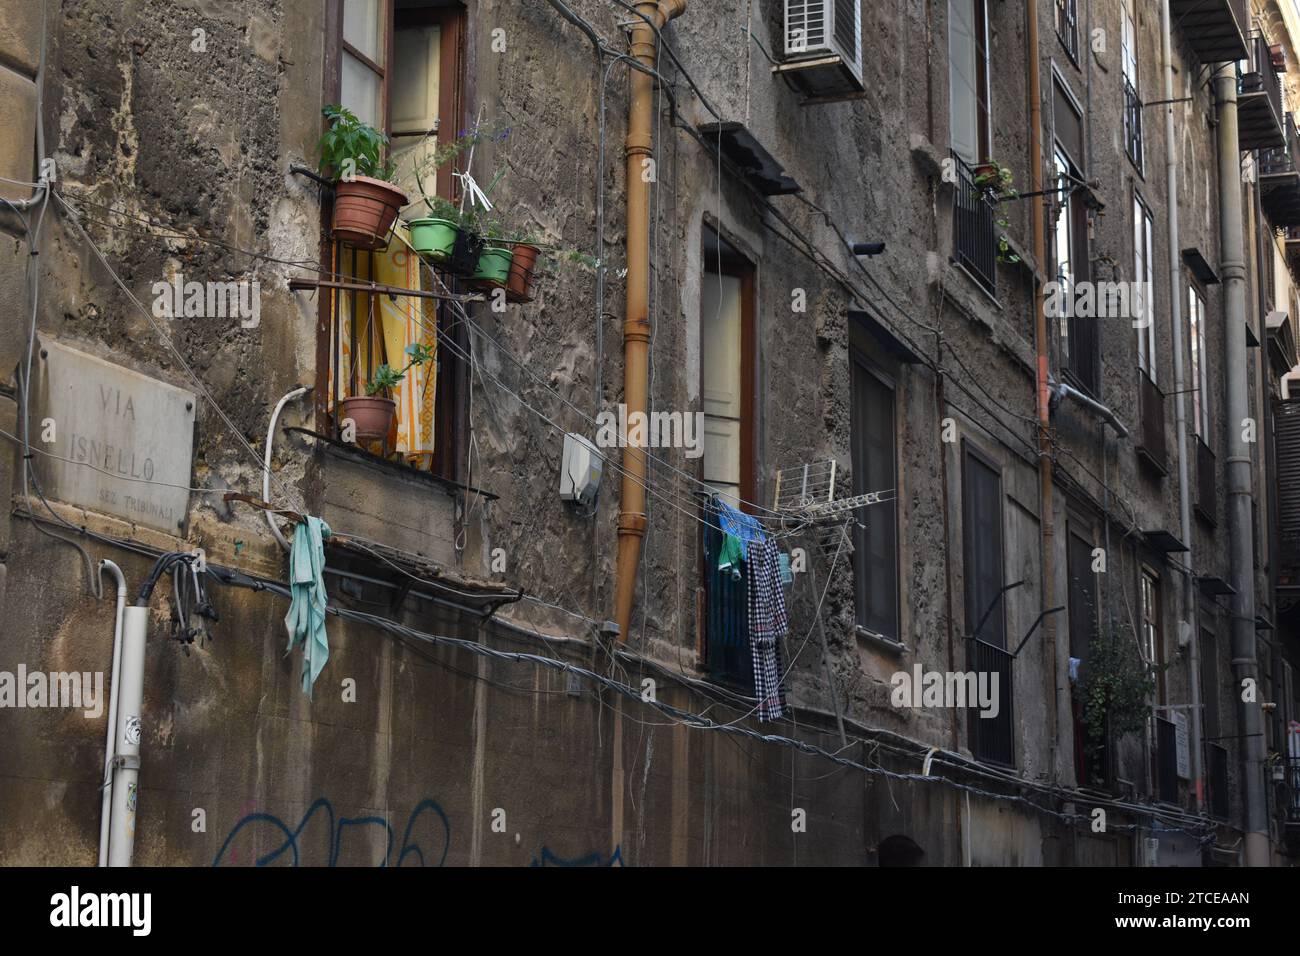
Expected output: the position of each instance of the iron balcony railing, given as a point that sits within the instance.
(992, 737)
(1216, 766)
(1151, 437)
(1132, 124)
(1293, 789)
(1259, 99)
(1207, 497)
(1067, 26)
(974, 227)
(1166, 760)
(1279, 160)
(726, 620)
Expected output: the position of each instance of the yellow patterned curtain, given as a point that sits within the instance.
(384, 327)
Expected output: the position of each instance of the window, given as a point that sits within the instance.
(1067, 26)
(1200, 375)
(968, 79)
(1144, 275)
(982, 547)
(1133, 144)
(875, 541)
(363, 58)
(398, 69)
(1079, 335)
(1153, 650)
(726, 372)
(727, 464)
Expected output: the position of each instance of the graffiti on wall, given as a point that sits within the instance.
(323, 835)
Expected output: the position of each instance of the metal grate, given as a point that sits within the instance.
(1067, 26)
(805, 26)
(1207, 497)
(992, 738)
(1151, 402)
(974, 227)
(1166, 760)
(1132, 124)
(1216, 764)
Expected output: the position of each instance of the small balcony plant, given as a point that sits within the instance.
(373, 413)
(365, 202)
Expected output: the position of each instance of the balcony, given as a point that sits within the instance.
(1151, 431)
(1216, 773)
(1259, 100)
(1291, 239)
(1207, 497)
(1166, 761)
(992, 738)
(1279, 179)
(1214, 29)
(727, 652)
(974, 232)
(1133, 125)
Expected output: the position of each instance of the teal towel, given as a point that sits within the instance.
(306, 617)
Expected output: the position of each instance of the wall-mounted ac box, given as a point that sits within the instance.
(580, 469)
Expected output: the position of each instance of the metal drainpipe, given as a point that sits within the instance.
(636, 327)
(1046, 506)
(1180, 402)
(126, 753)
(110, 732)
(1241, 570)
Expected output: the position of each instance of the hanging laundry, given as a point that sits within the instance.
(306, 618)
(768, 623)
(738, 529)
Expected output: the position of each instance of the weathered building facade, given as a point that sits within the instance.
(1033, 512)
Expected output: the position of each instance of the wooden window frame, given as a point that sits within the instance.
(860, 363)
(450, 405)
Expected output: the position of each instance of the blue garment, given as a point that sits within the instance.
(306, 618)
(738, 524)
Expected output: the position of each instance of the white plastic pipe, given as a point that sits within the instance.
(126, 756)
(266, 463)
(110, 730)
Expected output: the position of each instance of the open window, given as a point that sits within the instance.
(1079, 333)
(398, 65)
(875, 469)
(726, 338)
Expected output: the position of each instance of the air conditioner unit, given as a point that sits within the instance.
(823, 47)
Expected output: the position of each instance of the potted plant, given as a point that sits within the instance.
(373, 413)
(365, 202)
(494, 261)
(434, 236)
(523, 264)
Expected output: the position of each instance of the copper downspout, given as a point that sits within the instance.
(1047, 516)
(636, 327)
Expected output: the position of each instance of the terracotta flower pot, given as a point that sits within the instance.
(522, 260)
(373, 416)
(364, 210)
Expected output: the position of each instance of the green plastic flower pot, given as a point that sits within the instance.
(433, 238)
(494, 266)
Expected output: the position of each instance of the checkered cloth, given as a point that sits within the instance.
(768, 623)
